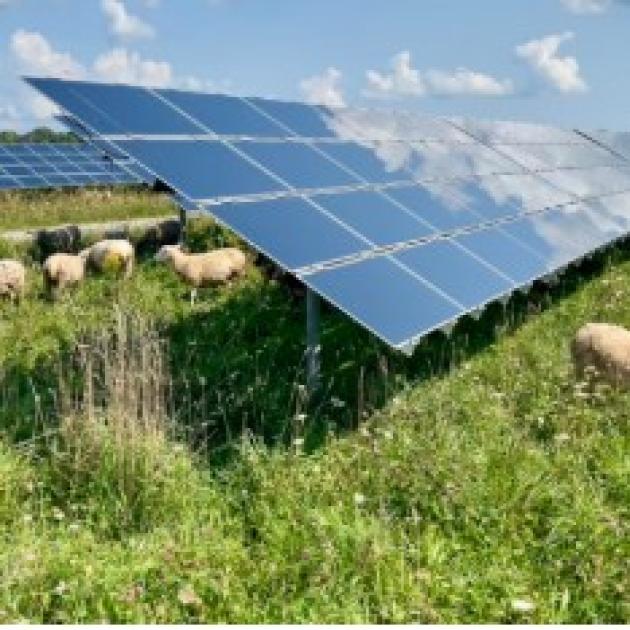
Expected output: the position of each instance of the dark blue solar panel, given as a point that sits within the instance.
(303, 120)
(403, 221)
(381, 220)
(441, 206)
(366, 163)
(456, 272)
(298, 164)
(225, 115)
(46, 165)
(506, 253)
(286, 229)
(385, 298)
(562, 236)
(203, 170)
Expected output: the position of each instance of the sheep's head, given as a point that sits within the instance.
(167, 252)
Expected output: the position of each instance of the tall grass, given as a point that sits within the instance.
(475, 482)
(21, 210)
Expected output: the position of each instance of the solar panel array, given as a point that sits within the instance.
(403, 221)
(51, 165)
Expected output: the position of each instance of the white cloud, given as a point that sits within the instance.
(36, 54)
(122, 66)
(563, 73)
(43, 108)
(586, 6)
(405, 80)
(10, 117)
(324, 89)
(464, 81)
(122, 23)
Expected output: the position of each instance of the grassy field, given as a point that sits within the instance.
(161, 463)
(21, 210)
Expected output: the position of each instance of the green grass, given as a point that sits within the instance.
(21, 210)
(446, 488)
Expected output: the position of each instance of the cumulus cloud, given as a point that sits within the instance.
(122, 23)
(36, 54)
(563, 73)
(464, 81)
(324, 89)
(122, 66)
(405, 80)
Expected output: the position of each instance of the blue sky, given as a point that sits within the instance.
(563, 62)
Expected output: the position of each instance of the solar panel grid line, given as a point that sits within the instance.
(592, 138)
(481, 141)
(57, 164)
(438, 236)
(32, 173)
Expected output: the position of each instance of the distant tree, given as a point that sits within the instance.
(40, 134)
(9, 137)
(44, 134)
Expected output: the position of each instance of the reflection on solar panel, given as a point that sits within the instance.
(60, 165)
(402, 221)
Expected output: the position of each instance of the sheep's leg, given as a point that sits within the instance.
(193, 296)
(129, 268)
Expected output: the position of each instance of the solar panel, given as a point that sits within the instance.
(54, 165)
(403, 221)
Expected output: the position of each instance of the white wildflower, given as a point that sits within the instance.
(359, 499)
(523, 606)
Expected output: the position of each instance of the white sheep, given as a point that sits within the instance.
(12, 279)
(199, 270)
(110, 254)
(603, 350)
(62, 271)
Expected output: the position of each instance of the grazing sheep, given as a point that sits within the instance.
(62, 271)
(59, 240)
(199, 270)
(604, 349)
(110, 254)
(12, 279)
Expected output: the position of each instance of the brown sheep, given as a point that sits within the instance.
(603, 349)
(200, 270)
(12, 279)
(62, 271)
(110, 253)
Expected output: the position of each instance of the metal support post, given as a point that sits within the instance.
(182, 225)
(313, 347)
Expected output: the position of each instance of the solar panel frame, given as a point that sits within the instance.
(320, 139)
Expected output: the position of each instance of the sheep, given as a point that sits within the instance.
(12, 279)
(110, 253)
(55, 241)
(62, 271)
(199, 270)
(604, 350)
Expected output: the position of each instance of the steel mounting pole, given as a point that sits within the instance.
(182, 225)
(313, 346)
